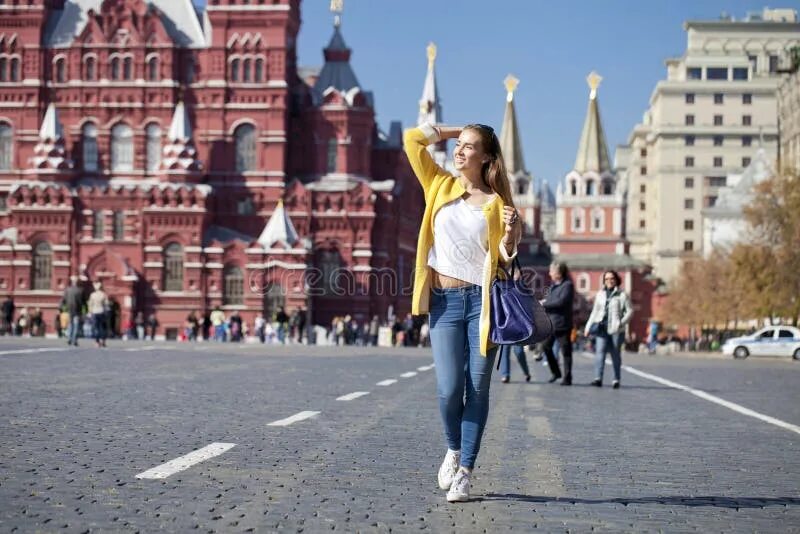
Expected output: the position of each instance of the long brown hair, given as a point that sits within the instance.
(494, 171)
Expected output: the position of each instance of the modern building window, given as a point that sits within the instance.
(711, 201)
(717, 161)
(773, 63)
(119, 226)
(642, 206)
(152, 69)
(90, 69)
(688, 140)
(643, 152)
(688, 161)
(747, 120)
(6, 146)
(717, 120)
(694, 73)
(245, 138)
(258, 75)
(717, 181)
(688, 182)
(689, 120)
(688, 246)
(740, 73)
(60, 70)
(173, 267)
(232, 285)
(121, 148)
(688, 224)
(333, 146)
(642, 224)
(89, 147)
(717, 73)
(41, 266)
(127, 68)
(745, 162)
(246, 70)
(99, 225)
(643, 171)
(718, 139)
(642, 188)
(235, 70)
(719, 98)
(689, 98)
(747, 99)
(153, 134)
(115, 68)
(688, 203)
(747, 140)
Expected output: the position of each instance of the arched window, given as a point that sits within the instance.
(173, 267)
(127, 68)
(60, 73)
(232, 285)
(14, 74)
(245, 136)
(259, 73)
(573, 188)
(90, 66)
(153, 133)
(589, 187)
(246, 70)
(333, 146)
(598, 220)
(235, 70)
(274, 299)
(6, 146)
(329, 264)
(152, 69)
(608, 187)
(89, 144)
(3, 69)
(115, 68)
(577, 221)
(42, 266)
(121, 148)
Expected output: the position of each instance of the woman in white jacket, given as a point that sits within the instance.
(611, 313)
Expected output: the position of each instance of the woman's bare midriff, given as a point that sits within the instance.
(441, 281)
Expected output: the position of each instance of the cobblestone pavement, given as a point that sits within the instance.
(78, 425)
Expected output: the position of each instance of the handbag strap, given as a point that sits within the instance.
(514, 266)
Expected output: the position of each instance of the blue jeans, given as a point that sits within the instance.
(99, 326)
(611, 343)
(73, 328)
(462, 374)
(505, 361)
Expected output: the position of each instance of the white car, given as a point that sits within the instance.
(769, 341)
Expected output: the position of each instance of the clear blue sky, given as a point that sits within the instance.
(550, 46)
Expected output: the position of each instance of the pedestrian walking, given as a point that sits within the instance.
(152, 326)
(470, 224)
(98, 308)
(559, 304)
(7, 310)
(505, 362)
(218, 324)
(374, 324)
(139, 323)
(72, 301)
(283, 324)
(611, 313)
(259, 325)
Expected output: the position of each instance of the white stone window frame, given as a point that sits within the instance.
(147, 59)
(8, 164)
(10, 59)
(86, 124)
(117, 159)
(577, 214)
(236, 125)
(153, 160)
(235, 76)
(600, 214)
(56, 59)
(583, 283)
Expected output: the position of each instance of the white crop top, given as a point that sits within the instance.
(460, 241)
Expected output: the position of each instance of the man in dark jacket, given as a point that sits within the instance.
(558, 305)
(8, 315)
(73, 301)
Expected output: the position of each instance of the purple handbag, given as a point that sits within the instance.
(517, 318)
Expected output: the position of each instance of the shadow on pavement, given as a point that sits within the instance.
(675, 500)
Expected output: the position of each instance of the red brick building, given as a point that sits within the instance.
(183, 159)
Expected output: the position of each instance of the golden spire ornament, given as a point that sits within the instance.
(431, 54)
(511, 82)
(593, 80)
(337, 6)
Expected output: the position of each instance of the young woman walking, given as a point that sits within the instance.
(469, 225)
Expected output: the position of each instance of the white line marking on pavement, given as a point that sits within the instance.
(425, 367)
(293, 419)
(140, 349)
(186, 461)
(387, 382)
(351, 396)
(30, 351)
(409, 374)
(711, 398)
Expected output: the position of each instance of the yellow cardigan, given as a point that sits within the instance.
(441, 187)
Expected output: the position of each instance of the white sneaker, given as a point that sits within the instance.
(448, 468)
(459, 490)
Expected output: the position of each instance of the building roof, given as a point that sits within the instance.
(600, 261)
(222, 234)
(279, 229)
(510, 142)
(51, 129)
(180, 129)
(337, 72)
(178, 16)
(593, 149)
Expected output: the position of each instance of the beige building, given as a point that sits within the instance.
(789, 115)
(716, 108)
